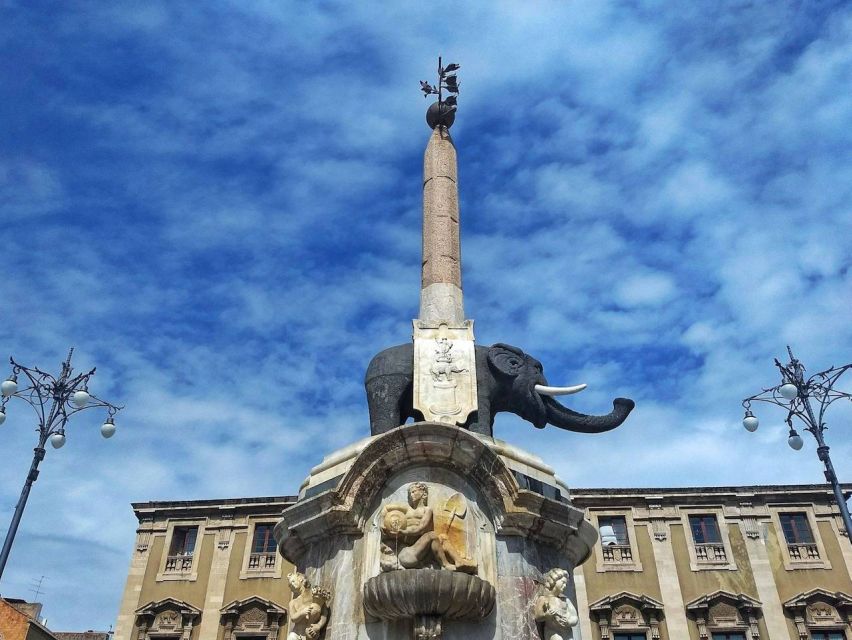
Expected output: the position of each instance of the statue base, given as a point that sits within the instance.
(432, 531)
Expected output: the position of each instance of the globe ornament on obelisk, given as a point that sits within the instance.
(444, 361)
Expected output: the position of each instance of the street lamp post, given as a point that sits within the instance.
(796, 395)
(54, 400)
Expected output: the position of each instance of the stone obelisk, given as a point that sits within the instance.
(441, 289)
(444, 362)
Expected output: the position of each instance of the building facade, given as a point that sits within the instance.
(714, 563)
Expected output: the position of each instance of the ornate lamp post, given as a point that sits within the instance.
(54, 400)
(798, 395)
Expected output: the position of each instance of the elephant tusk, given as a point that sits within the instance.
(559, 391)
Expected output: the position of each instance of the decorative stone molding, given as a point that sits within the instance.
(751, 527)
(309, 608)
(554, 613)
(626, 611)
(820, 610)
(253, 616)
(658, 523)
(722, 611)
(166, 617)
(143, 541)
(345, 509)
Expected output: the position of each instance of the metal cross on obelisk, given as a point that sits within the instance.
(444, 363)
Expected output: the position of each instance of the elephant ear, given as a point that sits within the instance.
(506, 359)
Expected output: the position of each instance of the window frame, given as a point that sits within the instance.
(791, 563)
(630, 526)
(171, 527)
(700, 564)
(271, 572)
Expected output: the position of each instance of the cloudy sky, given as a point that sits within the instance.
(218, 205)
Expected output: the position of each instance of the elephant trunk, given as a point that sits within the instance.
(564, 418)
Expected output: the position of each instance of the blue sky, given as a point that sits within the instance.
(218, 205)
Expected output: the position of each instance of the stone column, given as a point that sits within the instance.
(133, 587)
(441, 292)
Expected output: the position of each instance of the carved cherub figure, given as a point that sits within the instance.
(308, 608)
(411, 526)
(554, 612)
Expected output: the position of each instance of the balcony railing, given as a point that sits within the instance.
(618, 554)
(261, 561)
(179, 564)
(710, 552)
(803, 551)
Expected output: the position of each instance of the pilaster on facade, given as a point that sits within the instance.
(672, 596)
(223, 529)
(135, 579)
(582, 604)
(754, 521)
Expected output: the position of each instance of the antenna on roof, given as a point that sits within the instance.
(36, 589)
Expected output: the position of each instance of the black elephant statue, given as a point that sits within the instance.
(506, 380)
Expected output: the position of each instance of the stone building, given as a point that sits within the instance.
(721, 563)
(19, 620)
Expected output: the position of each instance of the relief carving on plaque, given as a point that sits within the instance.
(444, 373)
(308, 608)
(554, 612)
(415, 536)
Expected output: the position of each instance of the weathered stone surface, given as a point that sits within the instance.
(449, 595)
(512, 534)
(444, 387)
(441, 245)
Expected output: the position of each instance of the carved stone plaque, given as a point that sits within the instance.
(444, 372)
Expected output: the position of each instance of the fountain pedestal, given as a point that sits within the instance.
(431, 531)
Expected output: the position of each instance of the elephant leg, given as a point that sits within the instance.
(482, 421)
(385, 395)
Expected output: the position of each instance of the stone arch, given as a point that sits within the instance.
(345, 509)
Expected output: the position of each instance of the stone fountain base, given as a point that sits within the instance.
(431, 531)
